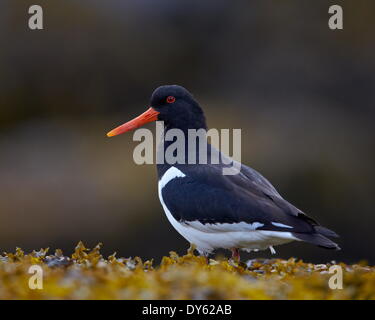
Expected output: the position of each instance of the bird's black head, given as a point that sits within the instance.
(177, 108)
(172, 104)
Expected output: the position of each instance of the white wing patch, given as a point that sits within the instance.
(223, 227)
(281, 225)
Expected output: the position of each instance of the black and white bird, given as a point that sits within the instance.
(211, 210)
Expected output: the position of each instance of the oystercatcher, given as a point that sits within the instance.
(211, 210)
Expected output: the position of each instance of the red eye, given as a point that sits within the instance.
(171, 99)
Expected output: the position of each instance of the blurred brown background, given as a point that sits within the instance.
(303, 95)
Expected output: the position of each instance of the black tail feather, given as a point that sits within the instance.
(317, 239)
(326, 232)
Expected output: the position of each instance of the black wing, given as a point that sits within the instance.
(208, 196)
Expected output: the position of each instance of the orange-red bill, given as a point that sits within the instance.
(147, 116)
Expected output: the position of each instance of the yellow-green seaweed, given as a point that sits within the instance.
(86, 274)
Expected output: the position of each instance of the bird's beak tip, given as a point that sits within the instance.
(148, 116)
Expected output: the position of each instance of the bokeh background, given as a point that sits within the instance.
(304, 96)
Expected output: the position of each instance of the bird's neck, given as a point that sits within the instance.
(181, 146)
